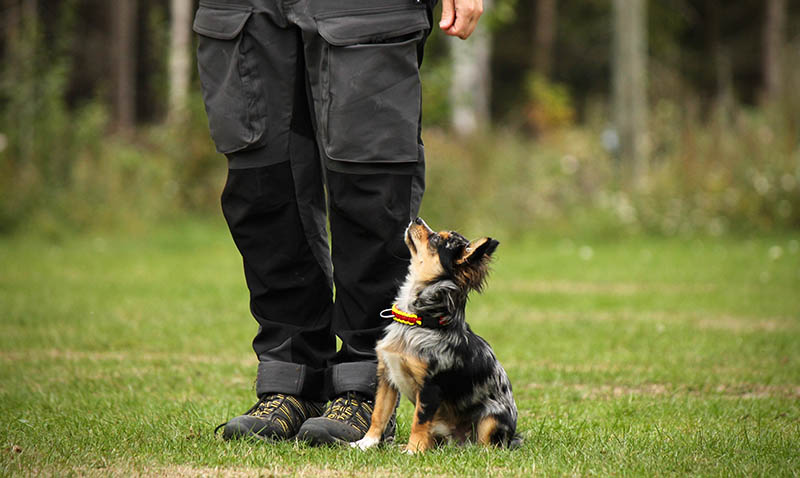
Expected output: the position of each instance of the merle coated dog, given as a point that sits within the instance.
(429, 353)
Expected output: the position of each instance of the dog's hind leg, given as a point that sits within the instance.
(385, 404)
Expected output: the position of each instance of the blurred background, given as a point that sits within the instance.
(670, 117)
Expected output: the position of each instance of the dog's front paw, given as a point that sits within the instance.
(410, 450)
(364, 443)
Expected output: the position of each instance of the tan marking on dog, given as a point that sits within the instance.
(427, 267)
(405, 371)
(424, 259)
(448, 424)
(421, 438)
(485, 430)
(415, 368)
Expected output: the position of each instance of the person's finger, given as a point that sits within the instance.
(466, 18)
(448, 14)
(469, 27)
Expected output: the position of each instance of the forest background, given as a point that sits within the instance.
(669, 117)
(102, 124)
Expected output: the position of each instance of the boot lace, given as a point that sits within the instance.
(351, 408)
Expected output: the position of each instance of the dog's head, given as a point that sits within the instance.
(448, 255)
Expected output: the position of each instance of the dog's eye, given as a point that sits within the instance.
(435, 239)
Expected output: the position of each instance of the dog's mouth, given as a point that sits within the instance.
(417, 231)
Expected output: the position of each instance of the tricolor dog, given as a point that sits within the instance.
(430, 355)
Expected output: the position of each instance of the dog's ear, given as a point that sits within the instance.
(478, 250)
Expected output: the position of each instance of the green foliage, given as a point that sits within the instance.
(500, 182)
(156, 87)
(498, 14)
(40, 143)
(549, 104)
(436, 92)
(740, 177)
(62, 169)
(741, 172)
(738, 169)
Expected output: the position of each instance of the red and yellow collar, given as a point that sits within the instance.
(407, 318)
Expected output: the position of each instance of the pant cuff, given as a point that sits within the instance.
(291, 379)
(354, 377)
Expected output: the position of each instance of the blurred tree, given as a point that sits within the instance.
(179, 60)
(723, 96)
(630, 84)
(11, 16)
(774, 43)
(544, 30)
(123, 59)
(471, 78)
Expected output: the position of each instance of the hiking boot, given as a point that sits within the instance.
(346, 420)
(275, 416)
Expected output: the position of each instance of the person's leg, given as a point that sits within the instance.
(289, 293)
(253, 77)
(363, 67)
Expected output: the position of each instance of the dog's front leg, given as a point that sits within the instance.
(428, 401)
(385, 403)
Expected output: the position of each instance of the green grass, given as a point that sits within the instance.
(632, 356)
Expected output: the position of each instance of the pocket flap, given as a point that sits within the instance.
(350, 28)
(222, 24)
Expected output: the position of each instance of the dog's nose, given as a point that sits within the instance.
(418, 221)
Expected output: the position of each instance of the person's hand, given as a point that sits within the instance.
(460, 17)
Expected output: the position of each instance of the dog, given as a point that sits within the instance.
(429, 354)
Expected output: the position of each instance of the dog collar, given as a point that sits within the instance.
(407, 318)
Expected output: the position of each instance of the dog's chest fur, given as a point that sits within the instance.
(398, 373)
(405, 351)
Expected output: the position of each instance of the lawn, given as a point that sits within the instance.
(632, 356)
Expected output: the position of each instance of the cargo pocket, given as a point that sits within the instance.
(371, 89)
(232, 91)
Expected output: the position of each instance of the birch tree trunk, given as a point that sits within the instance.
(470, 85)
(774, 36)
(124, 23)
(630, 85)
(179, 59)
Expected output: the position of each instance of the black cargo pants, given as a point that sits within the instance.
(306, 97)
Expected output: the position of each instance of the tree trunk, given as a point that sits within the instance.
(630, 85)
(30, 11)
(24, 58)
(774, 37)
(719, 56)
(471, 79)
(12, 23)
(544, 30)
(179, 60)
(124, 63)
